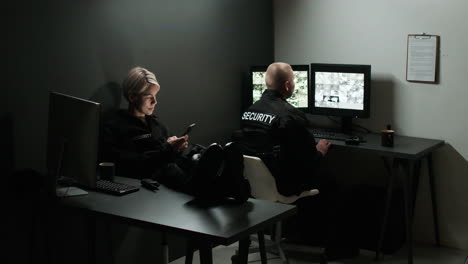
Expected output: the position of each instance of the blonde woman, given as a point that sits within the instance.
(142, 147)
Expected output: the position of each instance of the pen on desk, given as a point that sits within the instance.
(149, 187)
(150, 184)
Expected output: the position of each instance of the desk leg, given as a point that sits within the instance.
(433, 198)
(261, 245)
(206, 256)
(408, 168)
(391, 175)
(189, 251)
(91, 238)
(164, 249)
(416, 174)
(244, 250)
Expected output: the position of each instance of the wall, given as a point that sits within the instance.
(375, 32)
(199, 50)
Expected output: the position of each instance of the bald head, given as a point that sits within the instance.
(280, 77)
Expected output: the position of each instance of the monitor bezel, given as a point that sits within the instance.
(346, 68)
(248, 99)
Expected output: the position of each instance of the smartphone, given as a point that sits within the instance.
(187, 131)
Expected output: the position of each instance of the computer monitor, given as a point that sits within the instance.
(300, 98)
(73, 138)
(340, 90)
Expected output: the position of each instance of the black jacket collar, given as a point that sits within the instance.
(272, 94)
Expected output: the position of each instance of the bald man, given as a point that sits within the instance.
(277, 132)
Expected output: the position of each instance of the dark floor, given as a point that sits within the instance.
(423, 254)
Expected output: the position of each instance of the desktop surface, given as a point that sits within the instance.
(222, 222)
(404, 147)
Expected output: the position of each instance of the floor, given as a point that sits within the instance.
(423, 254)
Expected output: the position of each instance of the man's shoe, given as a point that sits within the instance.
(210, 162)
(232, 178)
(208, 170)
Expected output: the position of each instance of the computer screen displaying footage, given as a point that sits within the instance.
(340, 90)
(298, 99)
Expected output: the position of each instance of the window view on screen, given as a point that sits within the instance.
(339, 90)
(298, 98)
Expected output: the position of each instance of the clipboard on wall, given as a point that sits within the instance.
(422, 58)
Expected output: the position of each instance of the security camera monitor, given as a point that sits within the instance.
(340, 90)
(300, 96)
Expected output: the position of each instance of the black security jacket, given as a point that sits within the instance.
(277, 132)
(138, 149)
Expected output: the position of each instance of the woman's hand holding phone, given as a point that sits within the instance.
(179, 144)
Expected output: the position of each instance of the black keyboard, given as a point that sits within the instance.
(115, 188)
(329, 134)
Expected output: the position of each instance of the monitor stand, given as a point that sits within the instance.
(346, 125)
(69, 191)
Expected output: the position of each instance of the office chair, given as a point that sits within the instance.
(263, 187)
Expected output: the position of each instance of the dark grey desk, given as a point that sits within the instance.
(404, 159)
(168, 211)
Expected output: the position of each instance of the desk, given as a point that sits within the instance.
(168, 211)
(404, 159)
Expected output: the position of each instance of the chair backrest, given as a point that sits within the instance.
(263, 184)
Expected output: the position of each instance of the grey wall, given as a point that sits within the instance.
(199, 50)
(375, 32)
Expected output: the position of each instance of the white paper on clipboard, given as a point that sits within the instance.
(421, 58)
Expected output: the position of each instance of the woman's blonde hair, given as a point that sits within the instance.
(137, 81)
